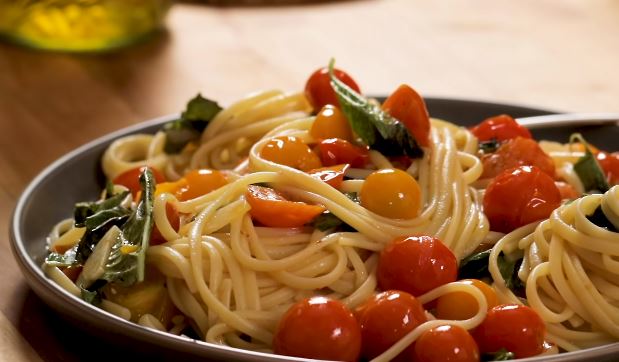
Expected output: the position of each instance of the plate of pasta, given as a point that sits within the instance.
(328, 225)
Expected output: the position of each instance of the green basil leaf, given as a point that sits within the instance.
(500, 355)
(62, 260)
(599, 218)
(588, 169)
(376, 128)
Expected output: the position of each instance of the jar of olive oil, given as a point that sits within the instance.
(80, 25)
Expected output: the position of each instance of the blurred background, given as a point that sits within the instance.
(71, 71)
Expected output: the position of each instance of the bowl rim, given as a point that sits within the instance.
(63, 302)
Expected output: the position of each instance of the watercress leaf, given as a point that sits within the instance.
(375, 127)
(588, 169)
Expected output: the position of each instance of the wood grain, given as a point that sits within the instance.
(550, 54)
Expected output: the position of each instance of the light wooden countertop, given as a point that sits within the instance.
(556, 55)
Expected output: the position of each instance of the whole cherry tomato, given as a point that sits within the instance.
(500, 128)
(391, 193)
(462, 305)
(131, 178)
(446, 344)
(200, 182)
(318, 88)
(516, 328)
(335, 151)
(318, 328)
(407, 106)
(520, 196)
(290, 151)
(416, 264)
(517, 152)
(330, 122)
(385, 319)
(610, 164)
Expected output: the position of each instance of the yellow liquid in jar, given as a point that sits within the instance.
(80, 25)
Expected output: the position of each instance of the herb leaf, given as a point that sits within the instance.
(588, 169)
(475, 266)
(328, 220)
(599, 218)
(62, 260)
(198, 113)
(375, 127)
(500, 355)
(489, 146)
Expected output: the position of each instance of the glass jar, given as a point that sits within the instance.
(80, 25)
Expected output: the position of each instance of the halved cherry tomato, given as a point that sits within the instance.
(272, 209)
(292, 152)
(318, 328)
(500, 128)
(517, 152)
(392, 193)
(131, 178)
(335, 151)
(385, 318)
(516, 328)
(462, 305)
(407, 106)
(610, 164)
(200, 182)
(519, 196)
(72, 272)
(416, 264)
(318, 88)
(333, 175)
(446, 343)
(330, 122)
(172, 187)
(173, 216)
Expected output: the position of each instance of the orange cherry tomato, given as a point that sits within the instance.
(500, 128)
(175, 220)
(335, 151)
(462, 305)
(290, 151)
(567, 191)
(333, 175)
(392, 193)
(131, 178)
(318, 328)
(516, 328)
(517, 152)
(272, 209)
(200, 182)
(318, 88)
(520, 196)
(610, 164)
(446, 344)
(407, 106)
(330, 122)
(385, 318)
(416, 264)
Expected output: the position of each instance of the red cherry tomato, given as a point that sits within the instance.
(610, 164)
(335, 151)
(385, 319)
(155, 236)
(318, 88)
(131, 178)
(500, 128)
(446, 344)
(517, 152)
(333, 175)
(520, 196)
(416, 264)
(407, 106)
(318, 328)
(516, 328)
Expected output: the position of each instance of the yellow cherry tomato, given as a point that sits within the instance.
(200, 182)
(462, 305)
(391, 193)
(330, 122)
(290, 151)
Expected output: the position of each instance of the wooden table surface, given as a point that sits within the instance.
(557, 55)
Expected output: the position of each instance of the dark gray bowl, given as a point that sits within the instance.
(76, 176)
